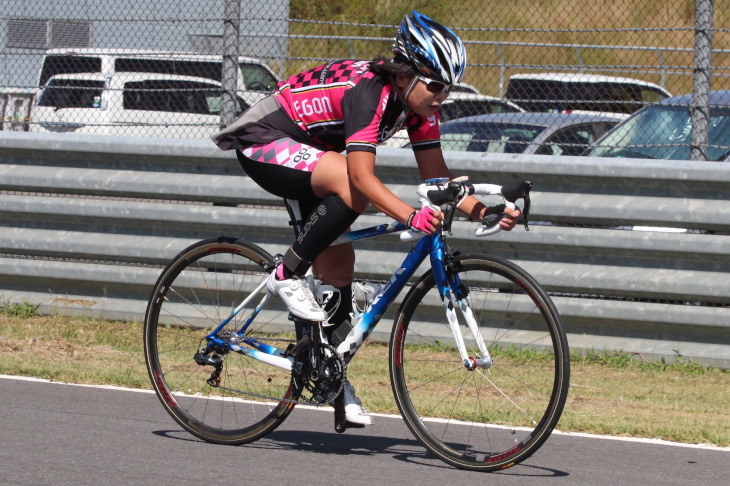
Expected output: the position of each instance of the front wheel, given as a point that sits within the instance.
(483, 419)
(194, 294)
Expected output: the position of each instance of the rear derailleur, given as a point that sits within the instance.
(211, 356)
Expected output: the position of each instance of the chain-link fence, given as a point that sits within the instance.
(548, 77)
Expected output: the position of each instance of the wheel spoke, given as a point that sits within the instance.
(202, 286)
(485, 419)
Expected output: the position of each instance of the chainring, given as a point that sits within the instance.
(321, 386)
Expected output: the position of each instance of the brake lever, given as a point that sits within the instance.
(520, 191)
(494, 215)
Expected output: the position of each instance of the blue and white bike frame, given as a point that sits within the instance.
(432, 245)
(448, 287)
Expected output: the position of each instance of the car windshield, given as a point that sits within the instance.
(544, 95)
(72, 93)
(175, 96)
(664, 132)
(508, 138)
(68, 65)
(460, 108)
(257, 78)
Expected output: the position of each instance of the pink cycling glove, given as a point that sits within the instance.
(419, 220)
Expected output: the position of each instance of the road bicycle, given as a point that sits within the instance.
(478, 358)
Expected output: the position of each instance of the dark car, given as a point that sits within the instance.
(664, 131)
(526, 133)
(460, 105)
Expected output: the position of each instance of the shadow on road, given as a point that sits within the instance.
(325, 443)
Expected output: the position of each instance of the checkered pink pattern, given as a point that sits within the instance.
(337, 72)
(285, 152)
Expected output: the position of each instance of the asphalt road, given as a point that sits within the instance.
(63, 434)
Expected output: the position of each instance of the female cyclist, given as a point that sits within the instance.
(292, 143)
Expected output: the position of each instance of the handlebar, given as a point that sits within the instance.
(446, 195)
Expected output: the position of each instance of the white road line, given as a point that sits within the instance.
(710, 447)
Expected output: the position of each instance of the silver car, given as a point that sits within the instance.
(526, 133)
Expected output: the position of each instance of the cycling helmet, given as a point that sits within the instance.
(431, 49)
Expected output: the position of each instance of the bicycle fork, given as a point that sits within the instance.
(450, 289)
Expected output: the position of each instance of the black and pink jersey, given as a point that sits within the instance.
(338, 106)
(344, 106)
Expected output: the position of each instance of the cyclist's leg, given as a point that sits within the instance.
(284, 167)
(330, 177)
(279, 167)
(335, 266)
(321, 185)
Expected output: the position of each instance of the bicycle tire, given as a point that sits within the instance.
(491, 419)
(194, 293)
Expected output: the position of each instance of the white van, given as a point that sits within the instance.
(130, 104)
(255, 79)
(582, 93)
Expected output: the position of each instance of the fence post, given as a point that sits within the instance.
(700, 108)
(662, 69)
(231, 41)
(501, 71)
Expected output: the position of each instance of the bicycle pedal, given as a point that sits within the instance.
(341, 422)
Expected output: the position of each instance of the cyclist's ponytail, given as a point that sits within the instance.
(386, 67)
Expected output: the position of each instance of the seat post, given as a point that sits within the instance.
(295, 215)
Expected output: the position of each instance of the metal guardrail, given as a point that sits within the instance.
(88, 223)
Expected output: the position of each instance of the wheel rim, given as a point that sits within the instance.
(486, 418)
(194, 294)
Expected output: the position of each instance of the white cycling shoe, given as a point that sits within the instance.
(297, 296)
(354, 411)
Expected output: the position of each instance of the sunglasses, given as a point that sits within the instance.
(436, 87)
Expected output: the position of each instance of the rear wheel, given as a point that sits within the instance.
(194, 294)
(485, 419)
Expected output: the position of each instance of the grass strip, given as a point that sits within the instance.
(610, 393)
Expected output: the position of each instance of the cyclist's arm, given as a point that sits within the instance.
(361, 172)
(432, 165)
